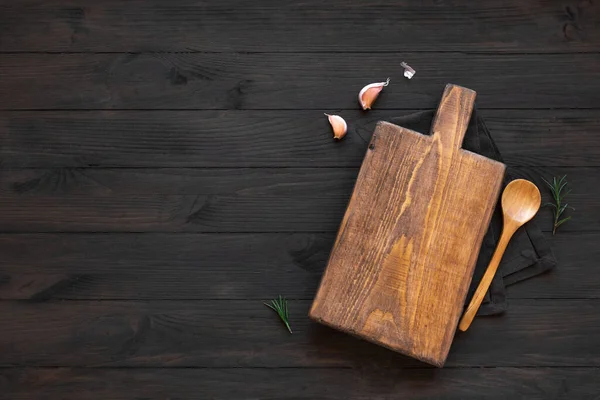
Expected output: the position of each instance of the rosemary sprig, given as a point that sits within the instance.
(280, 306)
(557, 188)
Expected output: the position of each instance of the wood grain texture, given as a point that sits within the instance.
(319, 81)
(304, 183)
(244, 333)
(265, 138)
(575, 252)
(216, 200)
(412, 231)
(301, 384)
(169, 213)
(262, 74)
(269, 25)
(45, 267)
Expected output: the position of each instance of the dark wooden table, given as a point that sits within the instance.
(166, 167)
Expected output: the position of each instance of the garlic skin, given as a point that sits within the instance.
(369, 93)
(408, 71)
(338, 125)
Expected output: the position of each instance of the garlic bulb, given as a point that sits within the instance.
(338, 125)
(369, 93)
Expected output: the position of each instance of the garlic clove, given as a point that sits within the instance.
(338, 125)
(369, 93)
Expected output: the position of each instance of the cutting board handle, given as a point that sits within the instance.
(453, 115)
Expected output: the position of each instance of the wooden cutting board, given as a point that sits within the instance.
(404, 256)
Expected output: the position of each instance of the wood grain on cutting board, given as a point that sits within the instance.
(405, 252)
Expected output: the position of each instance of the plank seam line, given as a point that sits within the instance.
(449, 367)
(224, 232)
(108, 167)
(379, 110)
(564, 233)
(258, 110)
(399, 52)
(257, 299)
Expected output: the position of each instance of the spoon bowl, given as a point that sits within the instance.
(521, 200)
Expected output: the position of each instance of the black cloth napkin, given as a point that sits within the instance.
(528, 254)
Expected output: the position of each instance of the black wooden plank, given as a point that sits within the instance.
(247, 334)
(253, 182)
(271, 25)
(300, 384)
(236, 200)
(265, 138)
(575, 275)
(548, 138)
(159, 266)
(223, 266)
(320, 81)
(169, 213)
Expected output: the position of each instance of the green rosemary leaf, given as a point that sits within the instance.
(280, 306)
(562, 186)
(562, 221)
(562, 208)
(558, 189)
(546, 182)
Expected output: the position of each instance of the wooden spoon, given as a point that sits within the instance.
(521, 200)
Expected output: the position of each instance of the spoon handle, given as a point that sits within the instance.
(486, 281)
